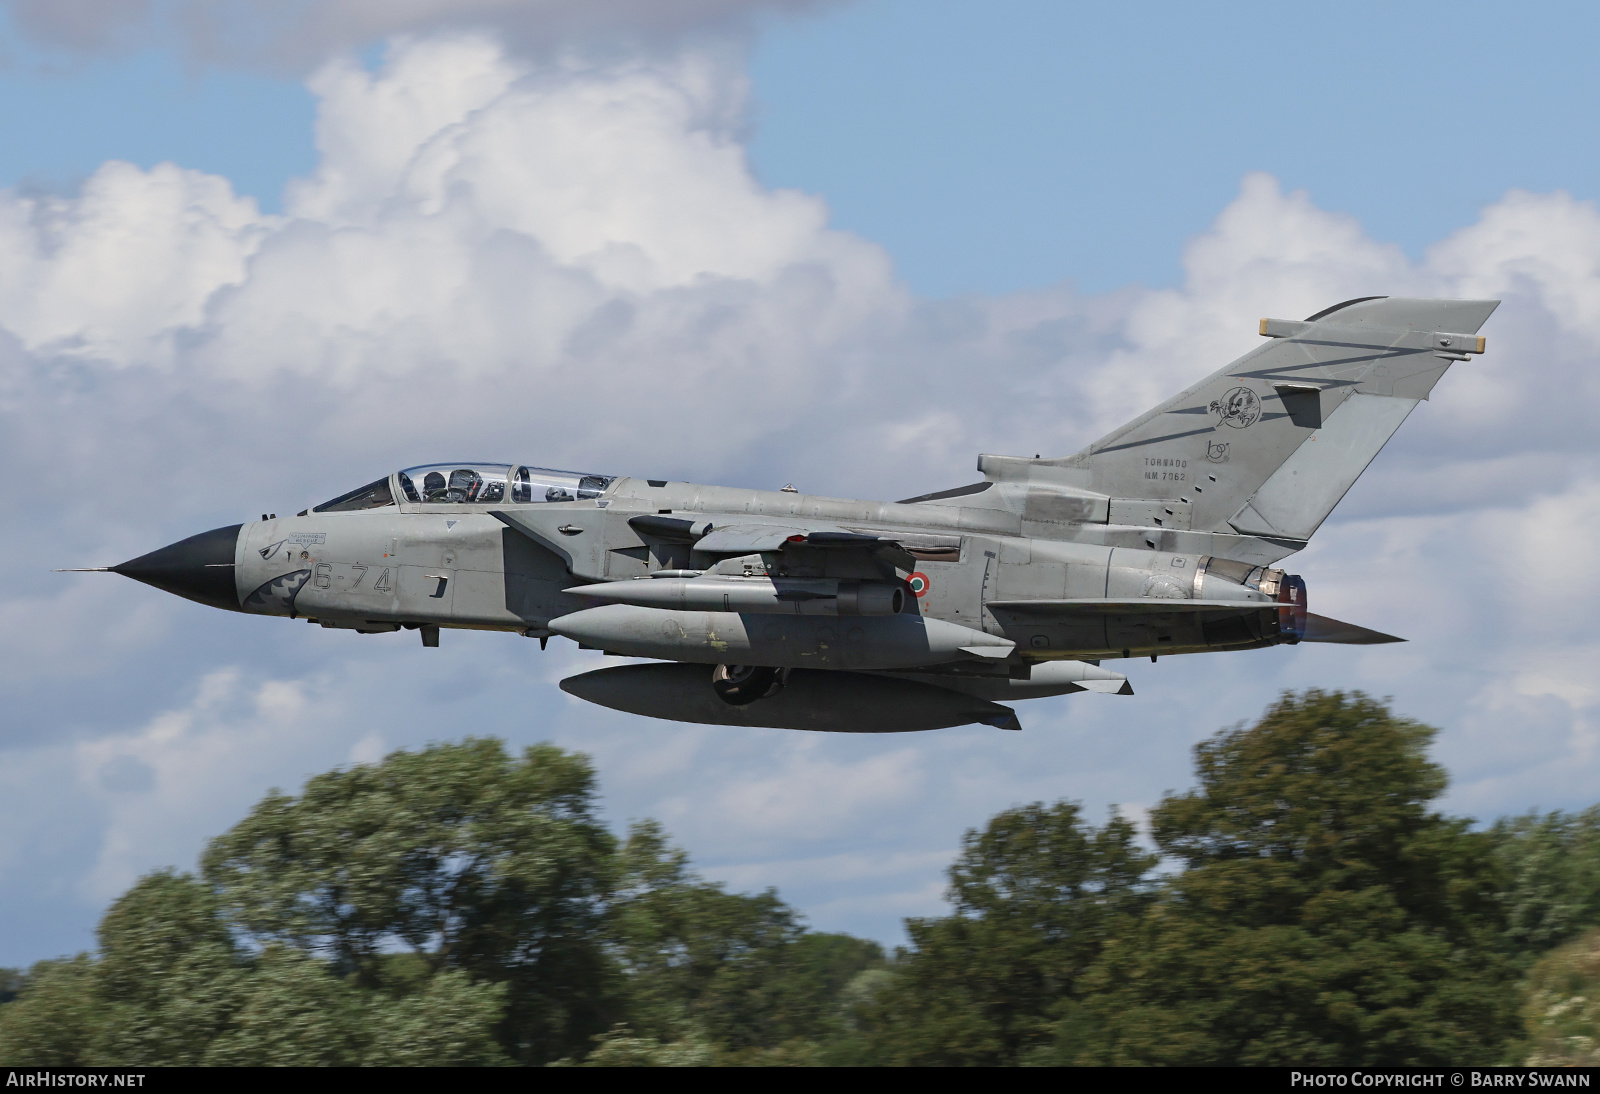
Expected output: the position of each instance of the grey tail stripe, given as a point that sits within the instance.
(1156, 440)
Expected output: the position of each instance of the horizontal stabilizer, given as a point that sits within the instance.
(1319, 628)
(1129, 606)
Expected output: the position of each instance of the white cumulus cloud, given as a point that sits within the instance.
(300, 34)
(572, 263)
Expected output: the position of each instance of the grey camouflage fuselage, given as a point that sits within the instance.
(786, 609)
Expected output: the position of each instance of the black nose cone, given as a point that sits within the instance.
(199, 568)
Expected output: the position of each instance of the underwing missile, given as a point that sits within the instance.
(1043, 679)
(753, 594)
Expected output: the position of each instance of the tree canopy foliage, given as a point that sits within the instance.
(1305, 903)
(1038, 894)
(1324, 913)
(461, 857)
(452, 906)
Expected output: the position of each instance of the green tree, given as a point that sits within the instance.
(166, 981)
(1037, 894)
(55, 1017)
(623, 1048)
(169, 974)
(820, 972)
(453, 906)
(1561, 1010)
(469, 858)
(699, 962)
(292, 1013)
(450, 1023)
(11, 981)
(1551, 864)
(1324, 914)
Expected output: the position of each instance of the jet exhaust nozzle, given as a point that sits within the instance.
(1292, 615)
(1223, 579)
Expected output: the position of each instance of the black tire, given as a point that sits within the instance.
(740, 685)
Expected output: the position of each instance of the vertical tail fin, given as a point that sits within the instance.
(1269, 445)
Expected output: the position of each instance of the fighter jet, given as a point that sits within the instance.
(779, 608)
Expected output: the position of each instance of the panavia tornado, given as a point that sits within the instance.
(778, 608)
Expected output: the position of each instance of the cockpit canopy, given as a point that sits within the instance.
(454, 483)
(473, 484)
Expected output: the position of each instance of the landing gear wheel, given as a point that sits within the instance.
(740, 685)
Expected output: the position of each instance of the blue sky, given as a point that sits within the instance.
(999, 146)
(845, 245)
(66, 114)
